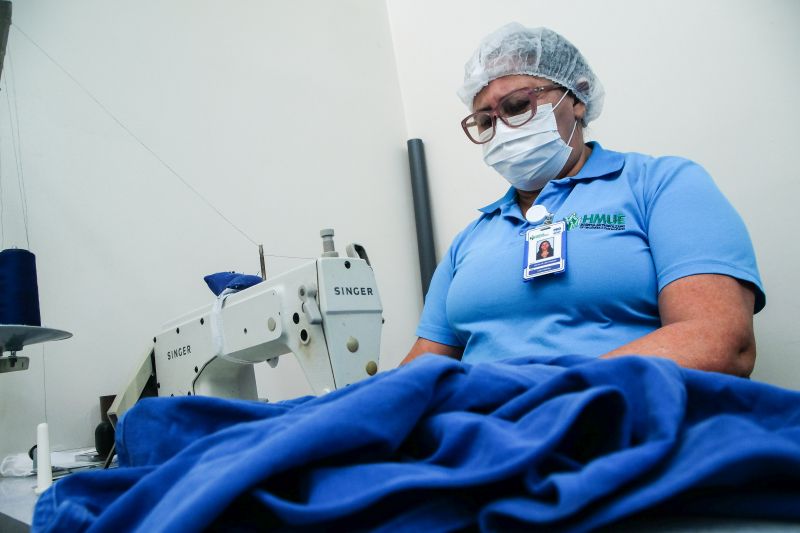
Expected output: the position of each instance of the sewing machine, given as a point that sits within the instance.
(326, 312)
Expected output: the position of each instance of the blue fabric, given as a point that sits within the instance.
(639, 223)
(230, 280)
(566, 444)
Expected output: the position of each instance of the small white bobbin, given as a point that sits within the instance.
(44, 471)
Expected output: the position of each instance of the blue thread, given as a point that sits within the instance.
(19, 292)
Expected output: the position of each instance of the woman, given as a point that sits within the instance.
(544, 251)
(629, 285)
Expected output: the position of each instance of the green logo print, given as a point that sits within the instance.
(572, 221)
(614, 222)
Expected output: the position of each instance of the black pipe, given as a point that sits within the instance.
(5, 23)
(422, 213)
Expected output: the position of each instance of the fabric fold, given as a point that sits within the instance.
(560, 444)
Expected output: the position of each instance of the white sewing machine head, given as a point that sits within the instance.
(326, 312)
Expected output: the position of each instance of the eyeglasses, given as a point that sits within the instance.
(514, 109)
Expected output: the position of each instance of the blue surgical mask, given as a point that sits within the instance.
(531, 155)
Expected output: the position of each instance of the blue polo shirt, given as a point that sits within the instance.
(635, 224)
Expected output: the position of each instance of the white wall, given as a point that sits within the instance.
(714, 81)
(287, 115)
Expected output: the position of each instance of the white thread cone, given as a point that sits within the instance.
(44, 471)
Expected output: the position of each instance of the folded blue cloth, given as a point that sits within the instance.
(564, 444)
(230, 280)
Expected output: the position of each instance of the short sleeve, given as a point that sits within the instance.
(433, 324)
(693, 229)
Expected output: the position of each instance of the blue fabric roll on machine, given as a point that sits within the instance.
(545, 444)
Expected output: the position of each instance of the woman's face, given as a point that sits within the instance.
(544, 248)
(570, 109)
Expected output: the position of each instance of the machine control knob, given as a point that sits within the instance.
(310, 307)
(352, 344)
(328, 248)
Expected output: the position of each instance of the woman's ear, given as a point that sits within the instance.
(579, 109)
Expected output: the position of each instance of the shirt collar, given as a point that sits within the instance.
(600, 163)
(503, 204)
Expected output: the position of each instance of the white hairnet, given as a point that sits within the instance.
(515, 49)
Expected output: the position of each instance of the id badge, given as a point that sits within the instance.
(545, 250)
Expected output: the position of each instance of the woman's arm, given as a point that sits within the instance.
(423, 346)
(707, 323)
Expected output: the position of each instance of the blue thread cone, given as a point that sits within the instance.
(19, 292)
